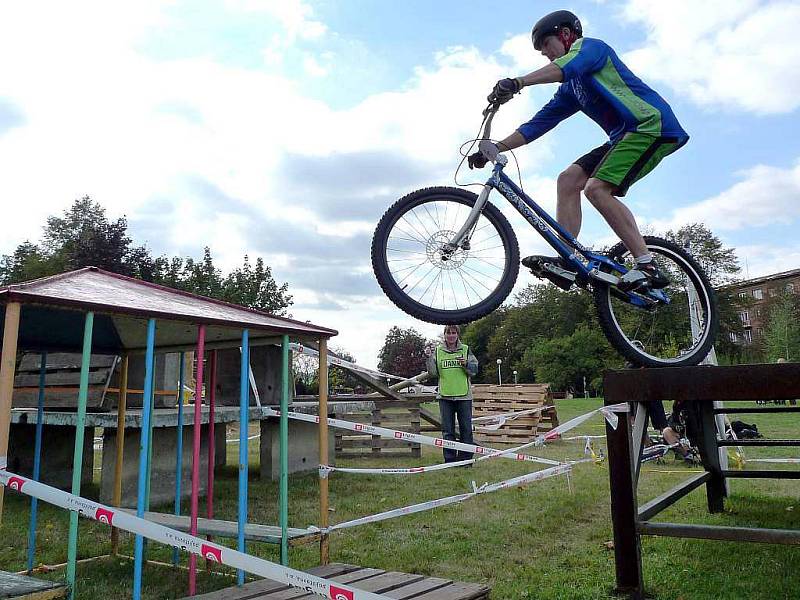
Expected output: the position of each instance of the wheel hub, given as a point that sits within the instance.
(441, 254)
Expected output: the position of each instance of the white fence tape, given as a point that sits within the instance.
(484, 489)
(184, 541)
(343, 363)
(495, 422)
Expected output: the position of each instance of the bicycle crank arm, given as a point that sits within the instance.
(604, 277)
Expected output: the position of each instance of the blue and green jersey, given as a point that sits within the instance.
(597, 83)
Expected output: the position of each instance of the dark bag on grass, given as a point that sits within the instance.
(745, 430)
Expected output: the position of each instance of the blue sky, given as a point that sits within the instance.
(284, 129)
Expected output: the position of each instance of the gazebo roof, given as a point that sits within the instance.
(53, 307)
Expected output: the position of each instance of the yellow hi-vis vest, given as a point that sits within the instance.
(453, 379)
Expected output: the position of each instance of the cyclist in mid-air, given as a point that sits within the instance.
(641, 127)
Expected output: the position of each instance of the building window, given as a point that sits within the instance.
(790, 288)
(734, 337)
(745, 317)
(748, 337)
(758, 294)
(743, 295)
(773, 292)
(759, 332)
(758, 312)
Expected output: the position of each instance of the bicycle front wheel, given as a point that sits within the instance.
(417, 272)
(676, 330)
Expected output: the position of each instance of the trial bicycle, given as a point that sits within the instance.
(448, 256)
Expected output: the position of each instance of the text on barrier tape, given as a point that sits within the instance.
(184, 541)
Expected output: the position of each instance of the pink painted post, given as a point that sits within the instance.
(212, 384)
(198, 402)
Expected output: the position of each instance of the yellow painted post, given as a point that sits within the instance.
(121, 406)
(8, 364)
(324, 550)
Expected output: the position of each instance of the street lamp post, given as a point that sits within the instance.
(499, 374)
(515, 376)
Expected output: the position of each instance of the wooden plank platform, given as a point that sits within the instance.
(392, 584)
(269, 534)
(21, 587)
(492, 400)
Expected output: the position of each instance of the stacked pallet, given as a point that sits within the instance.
(392, 414)
(493, 400)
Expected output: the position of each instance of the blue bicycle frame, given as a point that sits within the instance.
(551, 231)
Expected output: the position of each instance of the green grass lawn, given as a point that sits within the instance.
(541, 541)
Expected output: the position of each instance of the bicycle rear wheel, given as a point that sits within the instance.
(676, 331)
(414, 269)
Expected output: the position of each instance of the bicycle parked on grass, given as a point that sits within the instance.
(448, 256)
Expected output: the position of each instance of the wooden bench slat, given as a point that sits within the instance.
(270, 534)
(22, 587)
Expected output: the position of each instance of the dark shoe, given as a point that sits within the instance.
(643, 276)
(552, 268)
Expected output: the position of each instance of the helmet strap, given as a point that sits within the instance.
(567, 39)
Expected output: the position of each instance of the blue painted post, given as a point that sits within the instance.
(144, 448)
(244, 411)
(179, 450)
(77, 459)
(284, 451)
(37, 453)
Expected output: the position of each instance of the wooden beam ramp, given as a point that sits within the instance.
(392, 584)
(22, 587)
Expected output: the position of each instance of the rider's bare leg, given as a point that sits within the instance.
(616, 214)
(569, 185)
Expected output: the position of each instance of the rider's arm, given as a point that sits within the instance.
(548, 74)
(562, 105)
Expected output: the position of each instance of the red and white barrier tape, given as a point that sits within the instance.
(485, 453)
(184, 541)
(423, 506)
(497, 421)
(410, 437)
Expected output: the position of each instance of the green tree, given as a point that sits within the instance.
(83, 236)
(782, 332)
(403, 352)
(564, 361)
(26, 263)
(256, 288)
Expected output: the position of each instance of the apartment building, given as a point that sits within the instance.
(758, 292)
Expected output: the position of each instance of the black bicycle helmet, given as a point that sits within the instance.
(549, 24)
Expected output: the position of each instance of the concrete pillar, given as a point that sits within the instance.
(162, 483)
(266, 364)
(165, 379)
(58, 444)
(303, 448)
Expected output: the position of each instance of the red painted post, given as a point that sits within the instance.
(198, 402)
(212, 394)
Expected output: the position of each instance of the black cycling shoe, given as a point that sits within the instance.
(647, 275)
(558, 270)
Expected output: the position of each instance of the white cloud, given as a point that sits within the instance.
(766, 196)
(191, 149)
(739, 54)
(758, 260)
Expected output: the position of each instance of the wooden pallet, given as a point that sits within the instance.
(391, 414)
(21, 587)
(492, 400)
(63, 372)
(392, 584)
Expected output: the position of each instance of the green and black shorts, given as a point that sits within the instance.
(629, 159)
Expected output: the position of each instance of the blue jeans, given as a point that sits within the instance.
(450, 409)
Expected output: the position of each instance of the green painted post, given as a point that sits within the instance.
(77, 460)
(284, 453)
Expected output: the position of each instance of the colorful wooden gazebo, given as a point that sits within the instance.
(94, 310)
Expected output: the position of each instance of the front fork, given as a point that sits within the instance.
(461, 239)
